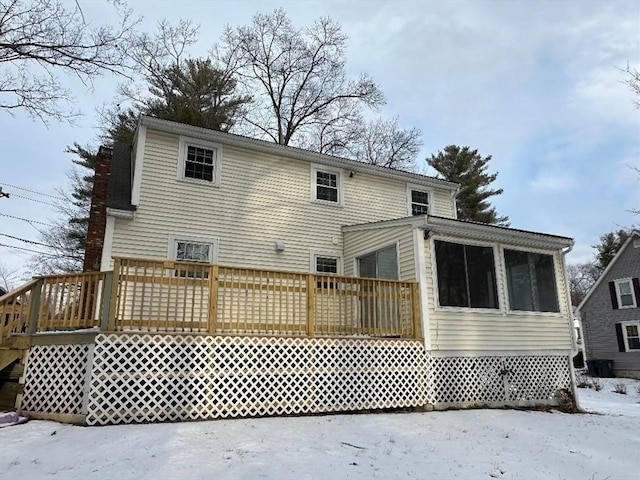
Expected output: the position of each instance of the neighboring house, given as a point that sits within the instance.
(610, 313)
(257, 279)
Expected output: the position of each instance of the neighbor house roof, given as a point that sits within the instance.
(634, 234)
(291, 152)
(469, 229)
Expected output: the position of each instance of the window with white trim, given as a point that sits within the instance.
(328, 265)
(193, 250)
(631, 335)
(199, 161)
(326, 185)
(625, 294)
(419, 202)
(531, 281)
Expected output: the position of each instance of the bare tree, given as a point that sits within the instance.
(9, 277)
(296, 76)
(633, 82)
(581, 278)
(40, 39)
(384, 142)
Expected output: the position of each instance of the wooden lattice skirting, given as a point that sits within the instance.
(135, 378)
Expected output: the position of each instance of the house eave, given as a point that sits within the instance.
(478, 231)
(262, 146)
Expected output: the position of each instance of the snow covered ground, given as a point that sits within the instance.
(470, 444)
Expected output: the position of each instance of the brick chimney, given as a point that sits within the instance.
(98, 212)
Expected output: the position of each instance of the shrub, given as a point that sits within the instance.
(596, 384)
(620, 388)
(638, 390)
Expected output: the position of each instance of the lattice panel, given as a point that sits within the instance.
(151, 378)
(503, 380)
(55, 378)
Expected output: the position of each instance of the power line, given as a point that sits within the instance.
(26, 241)
(32, 191)
(33, 199)
(27, 220)
(32, 251)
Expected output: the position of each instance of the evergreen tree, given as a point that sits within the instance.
(609, 245)
(466, 167)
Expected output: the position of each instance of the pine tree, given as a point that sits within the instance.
(609, 245)
(466, 167)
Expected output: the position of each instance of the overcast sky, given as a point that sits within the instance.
(535, 84)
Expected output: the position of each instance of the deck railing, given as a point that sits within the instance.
(15, 309)
(55, 302)
(158, 295)
(169, 296)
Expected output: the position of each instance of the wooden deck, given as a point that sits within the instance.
(168, 296)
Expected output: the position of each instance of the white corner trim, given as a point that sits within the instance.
(420, 188)
(107, 244)
(141, 140)
(421, 276)
(313, 169)
(185, 142)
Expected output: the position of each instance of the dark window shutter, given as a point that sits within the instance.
(636, 290)
(621, 345)
(614, 296)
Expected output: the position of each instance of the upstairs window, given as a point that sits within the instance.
(419, 202)
(199, 161)
(531, 281)
(624, 293)
(466, 275)
(326, 185)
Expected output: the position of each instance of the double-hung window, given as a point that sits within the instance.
(419, 202)
(625, 294)
(326, 265)
(326, 185)
(629, 336)
(531, 281)
(466, 275)
(199, 161)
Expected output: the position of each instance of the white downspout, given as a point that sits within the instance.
(574, 344)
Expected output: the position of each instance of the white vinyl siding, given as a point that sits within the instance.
(261, 199)
(475, 330)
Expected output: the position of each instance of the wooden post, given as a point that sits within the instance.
(34, 307)
(415, 308)
(214, 278)
(111, 323)
(107, 285)
(311, 305)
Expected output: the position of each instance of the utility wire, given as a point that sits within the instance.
(26, 241)
(32, 191)
(33, 251)
(27, 220)
(33, 199)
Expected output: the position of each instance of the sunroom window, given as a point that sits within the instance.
(531, 281)
(466, 275)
